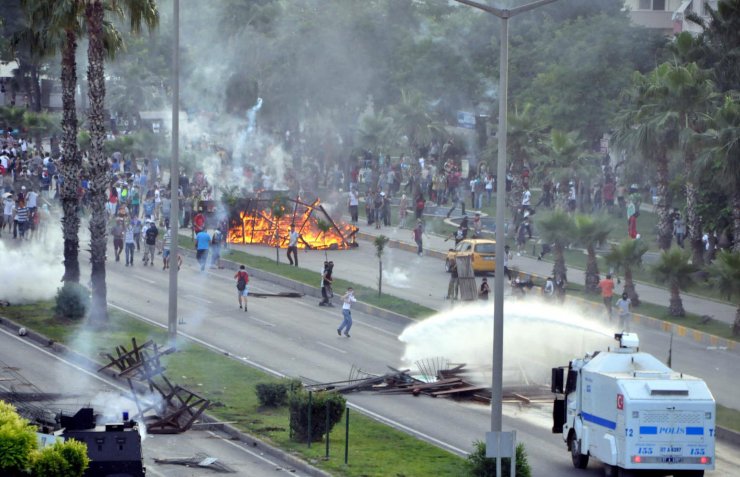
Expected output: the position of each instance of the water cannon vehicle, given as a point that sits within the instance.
(627, 409)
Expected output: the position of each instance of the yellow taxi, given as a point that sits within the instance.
(482, 252)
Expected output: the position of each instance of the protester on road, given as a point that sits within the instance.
(485, 289)
(326, 279)
(130, 245)
(417, 234)
(202, 244)
(293, 245)
(242, 286)
(150, 242)
(607, 290)
(347, 300)
(624, 305)
(117, 233)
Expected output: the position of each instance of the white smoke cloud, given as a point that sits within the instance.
(31, 270)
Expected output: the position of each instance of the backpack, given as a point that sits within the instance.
(241, 283)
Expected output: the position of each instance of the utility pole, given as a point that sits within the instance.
(174, 181)
(498, 284)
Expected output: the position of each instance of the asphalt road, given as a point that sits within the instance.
(23, 362)
(297, 338)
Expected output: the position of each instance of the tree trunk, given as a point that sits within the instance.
(629, 287)
(592, 271)
(98, 164)
(70, 165)
(380, 277)
(676, 305)
(665, 229)
(693, 223)
(35, 95)
(736, 325)
(736, 218)
(558, 270)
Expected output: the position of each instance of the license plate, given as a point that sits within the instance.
(489, 259)
(672, 460)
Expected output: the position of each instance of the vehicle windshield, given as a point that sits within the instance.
(486, 248)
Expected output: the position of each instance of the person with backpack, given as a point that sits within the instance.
(242, 286)
(150, 241)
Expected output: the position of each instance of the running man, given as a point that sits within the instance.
(242, 286)
(347, 300)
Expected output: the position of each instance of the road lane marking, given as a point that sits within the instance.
(197, 298)
(331, 347)
(255, 454)
(266, 323)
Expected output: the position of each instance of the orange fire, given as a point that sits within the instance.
(263, 226)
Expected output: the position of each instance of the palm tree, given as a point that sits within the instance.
(645, 128)
(411, 116)
(627, 256)
(380, 242)
(524, 140)
(690, 93)
(719, 157)
(674, 269)
(558, 230)
(138, 12)
(725, 273)
(568, 158)
(591, 231)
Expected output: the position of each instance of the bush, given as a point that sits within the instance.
(478, 465)
(298, 403)
(63, 459)
(272, 394)
(17, 440)
(72, 301)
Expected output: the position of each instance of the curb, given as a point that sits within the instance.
(697, 336)
(229, 430)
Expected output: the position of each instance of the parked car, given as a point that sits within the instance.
(482, 252)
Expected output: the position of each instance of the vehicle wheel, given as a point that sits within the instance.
(690, 473)
(580, 461)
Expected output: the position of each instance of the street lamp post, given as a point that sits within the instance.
(498, 284)
(174, 180)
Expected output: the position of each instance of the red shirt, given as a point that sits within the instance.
(607, 287)
(242, 274)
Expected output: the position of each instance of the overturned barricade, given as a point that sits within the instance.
(163, 406)
(435, 377)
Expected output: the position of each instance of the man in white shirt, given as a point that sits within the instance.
(347, 300)
(293, 245)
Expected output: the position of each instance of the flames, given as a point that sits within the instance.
(260, 222)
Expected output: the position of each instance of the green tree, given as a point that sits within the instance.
(524, 141)
(590, 231)
(720, 42)
(648, 128)
(138, 12)
(718, 157)
(627, 256)
(17, 440)
(725, 274)
(567, 158)
(674, 269)
(380, 243)
(558, 229)
(63, 459)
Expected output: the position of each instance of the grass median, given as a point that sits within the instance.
(374, 449)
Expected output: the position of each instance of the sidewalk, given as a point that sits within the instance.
(435, 245)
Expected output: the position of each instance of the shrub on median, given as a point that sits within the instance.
(72, 301)
(299, 410)
(478, 465)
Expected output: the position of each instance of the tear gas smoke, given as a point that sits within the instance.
(397, 278)
(31, 270)
(537, 336)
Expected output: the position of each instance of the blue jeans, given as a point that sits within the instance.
(346, 322)
(130, 253)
